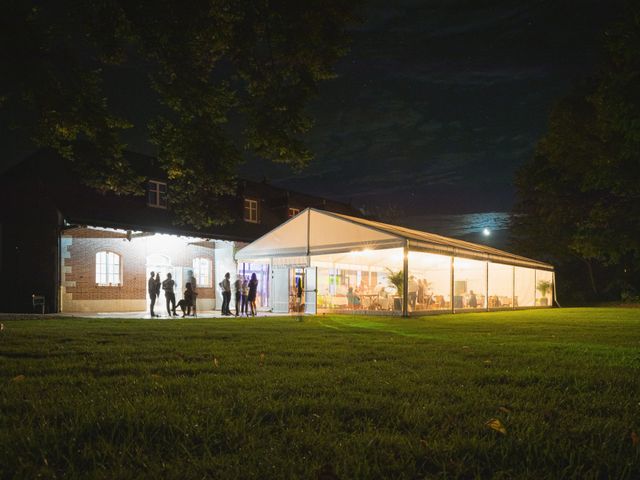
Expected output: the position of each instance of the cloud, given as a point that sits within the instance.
(438, 102)
(462, 75)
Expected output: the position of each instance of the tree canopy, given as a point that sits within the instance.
(227, 78)
(579, 196)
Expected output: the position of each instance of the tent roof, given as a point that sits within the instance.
(316, 232)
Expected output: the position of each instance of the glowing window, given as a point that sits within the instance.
(202, 271)
(250, 210)
(157, 194)
(293, 212)
(108, 269)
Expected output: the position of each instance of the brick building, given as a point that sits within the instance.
(87, 251)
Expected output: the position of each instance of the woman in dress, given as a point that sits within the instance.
(253, 290)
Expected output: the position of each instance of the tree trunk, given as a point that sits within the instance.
(592, 279)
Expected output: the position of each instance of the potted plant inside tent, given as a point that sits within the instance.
(397, 280)
(544, 286)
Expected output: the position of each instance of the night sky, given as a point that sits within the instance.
(439, 102)
(435, 107)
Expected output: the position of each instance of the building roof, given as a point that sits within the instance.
(316, 232)
(48, 175)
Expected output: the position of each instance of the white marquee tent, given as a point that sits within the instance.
(323, 261)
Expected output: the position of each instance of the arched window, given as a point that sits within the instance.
(156, 260)
(202, 271)
(108, 268)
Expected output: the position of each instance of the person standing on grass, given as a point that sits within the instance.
(253, 291)
(237, 287)
(245, 295)
(225, 286)
(151, 287)
(168, 286)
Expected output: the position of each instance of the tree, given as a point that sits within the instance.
(579, 196)
(227, 77)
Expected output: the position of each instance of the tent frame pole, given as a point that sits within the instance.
(309, 263)
(513, 287)
(405, 280)
(486, 287)
(451, 289)
(308, 236)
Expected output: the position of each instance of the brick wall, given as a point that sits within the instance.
(78, 266)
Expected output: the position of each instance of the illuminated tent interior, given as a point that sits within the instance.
(327, 262)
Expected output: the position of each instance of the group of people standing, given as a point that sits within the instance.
(245, 294)
(188, 302)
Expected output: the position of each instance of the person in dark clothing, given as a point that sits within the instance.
(237, 286)
(473, 301)
(225, 286)
(158, 285)
(299, 292)
(168, 285)
(151, 287)
(245, 296)
(192, 280)
(187, 301)
(253, 291)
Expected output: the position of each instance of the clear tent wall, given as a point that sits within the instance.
(330, 263)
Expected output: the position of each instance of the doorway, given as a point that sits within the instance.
(296, 294)
(280, 279)
(160, 264)
(294, 289)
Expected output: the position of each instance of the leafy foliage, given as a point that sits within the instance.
(543, 287)
(579, 196)
(396, 279)
(225, 77)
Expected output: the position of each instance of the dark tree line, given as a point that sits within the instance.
(579, 196)
(227, 78)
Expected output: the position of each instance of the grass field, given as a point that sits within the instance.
(324, 397)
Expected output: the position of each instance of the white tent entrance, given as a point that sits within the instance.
(326, 262)
(311, 290)
(280, 290)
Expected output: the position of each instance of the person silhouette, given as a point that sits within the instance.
(192, 280)
(168, 285)
(473, 301)
(187, 301)
(225, 288)
(253, 291)
(245, 296)
(151, 288)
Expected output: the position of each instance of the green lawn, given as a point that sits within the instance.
(363, 397)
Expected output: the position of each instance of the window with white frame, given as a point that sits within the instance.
(202, 271)
(293, 212)
(157, 194)
(108, 268)
(251, 210)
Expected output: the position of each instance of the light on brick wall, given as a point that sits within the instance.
(144, 252)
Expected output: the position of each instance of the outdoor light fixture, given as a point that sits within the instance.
(486, 232)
